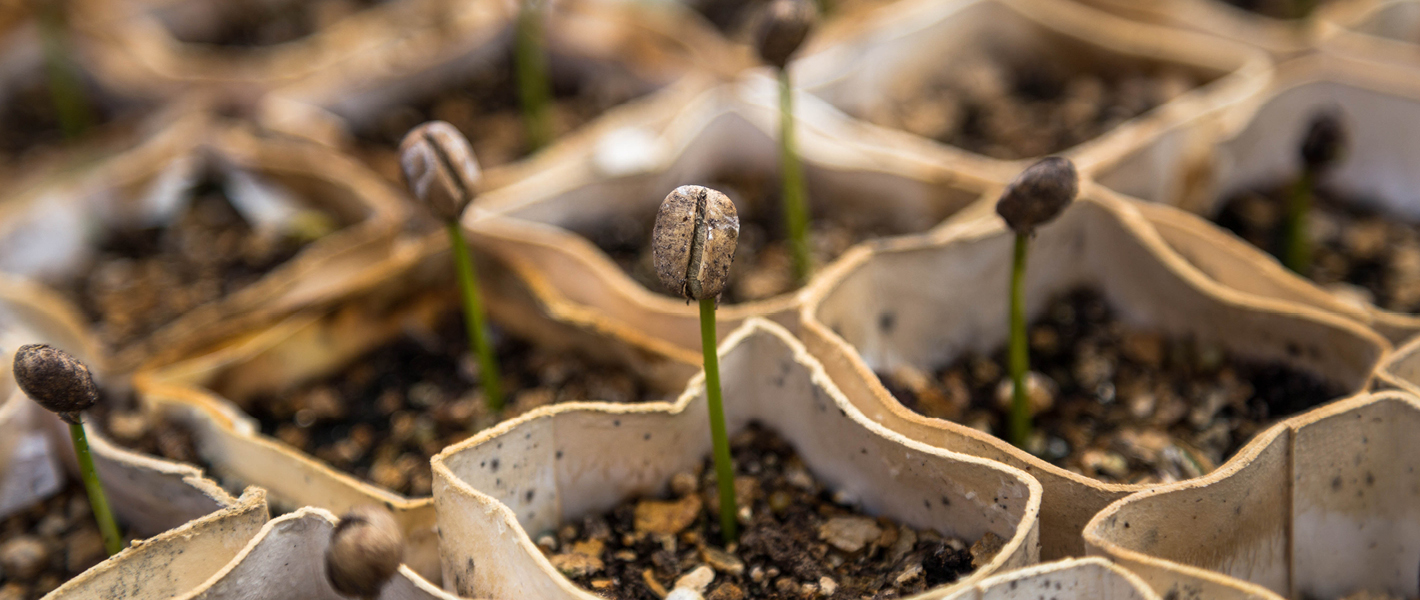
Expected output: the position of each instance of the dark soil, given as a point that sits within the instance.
(1365, 595)
(123, 422)
(763, 266)
(1025, 109)
(383, 417)
(252, 23)
(31, 119)
(796, 542)
(1357, 251)
(144, 278)
(1279, 9)
(485, 107)
(48, 544)
(1125, 406)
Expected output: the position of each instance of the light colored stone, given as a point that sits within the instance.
(684, 484)
(667, 518)
(722, 561)
(827, 586)
(23, 557)
(1040, 391)
(985, 549)
(849, 534)
(697, 579)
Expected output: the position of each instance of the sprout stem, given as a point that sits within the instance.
(113, 542)
(724, 464)
(1019, 354)
(796, 216)
(473, 318)
(534, 90)
(65, 90)
(1296, 249)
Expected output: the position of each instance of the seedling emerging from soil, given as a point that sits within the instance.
(784, 26)
(365, 551)
(694, 243)
(534, 89)
(1034, 198)
(1320, 150)
(441, 171)
(65, 90)
(63, 385)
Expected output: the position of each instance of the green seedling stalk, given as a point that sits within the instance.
(1019, 352)
(796, 216)
(66, 92)
(534, 89)
(1296, 248)
(108, 528)
(473, 318)
(724, 464)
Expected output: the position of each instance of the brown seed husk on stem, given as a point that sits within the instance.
(694, 241)
(365, 550)
(55, 380)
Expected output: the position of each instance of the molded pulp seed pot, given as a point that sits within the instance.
(1381, 30)
(1283, 38)
(919, 38)
(1401, 370)
(562, 462)
(656, 52)
(412, 287)
(922, 302)
(171, 563)
(51, 232)
(1071, 579)
(1380, 104)
(1320, 506)
(534, 225)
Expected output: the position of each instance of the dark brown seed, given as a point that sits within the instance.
(782, 29)
(55, 380)
(365, 550)
(1039, 194)
(1325, 140)
(694, 241)
(439, 168)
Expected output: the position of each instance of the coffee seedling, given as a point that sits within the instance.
(66, 91)
(441, 171)
(366, 548)
(62, 385)
(1035, 197)
(694, 244)
(785, 25)
(534, 89)
(1321, 149)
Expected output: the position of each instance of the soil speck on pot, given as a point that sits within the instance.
(797, 542)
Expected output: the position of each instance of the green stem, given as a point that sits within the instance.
(796, 216)
(1019, 353)
(66, 92)
(534, 89)
(1296, 249)
(108, 528)
(473, 318)
(724, 465)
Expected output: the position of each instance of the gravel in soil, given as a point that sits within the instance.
(253, 23)
(797, 539)
(1114, 403)
(1024, 109)
(382, 417)
(31, 121)
(1358, 252)
(763, 266)
(484, 106)
(141, 279)
(122, 421)
(48, 544)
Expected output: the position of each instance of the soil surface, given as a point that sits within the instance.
(383, 417)
(1357, 252)
(250, 23)
(1369, 595)
(1279, 9)
(122, 421)
(763, 266)
(144, 278)
(1121, 405)
(31, 121)
(47, 544)
(485, 107)
(1025, 109)
(795, 542)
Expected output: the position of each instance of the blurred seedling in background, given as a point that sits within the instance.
(534, 85)
(61, 384)
(441, 171)
(66, 89)
(365, 551)
(1035, 197)
(694, 241)
(1322, 146)
(784, 26)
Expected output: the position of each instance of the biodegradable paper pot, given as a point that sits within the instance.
(1380, 30)
(1280, 37)
(562, 462)
(923, 302)
(1072, 579)
(1381, 104)
(1319, 506)
(923, 36)
(49, 232)
(1401, 370)
(665, 53)
(532, 225)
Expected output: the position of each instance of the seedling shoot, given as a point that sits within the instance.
(785, 25)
